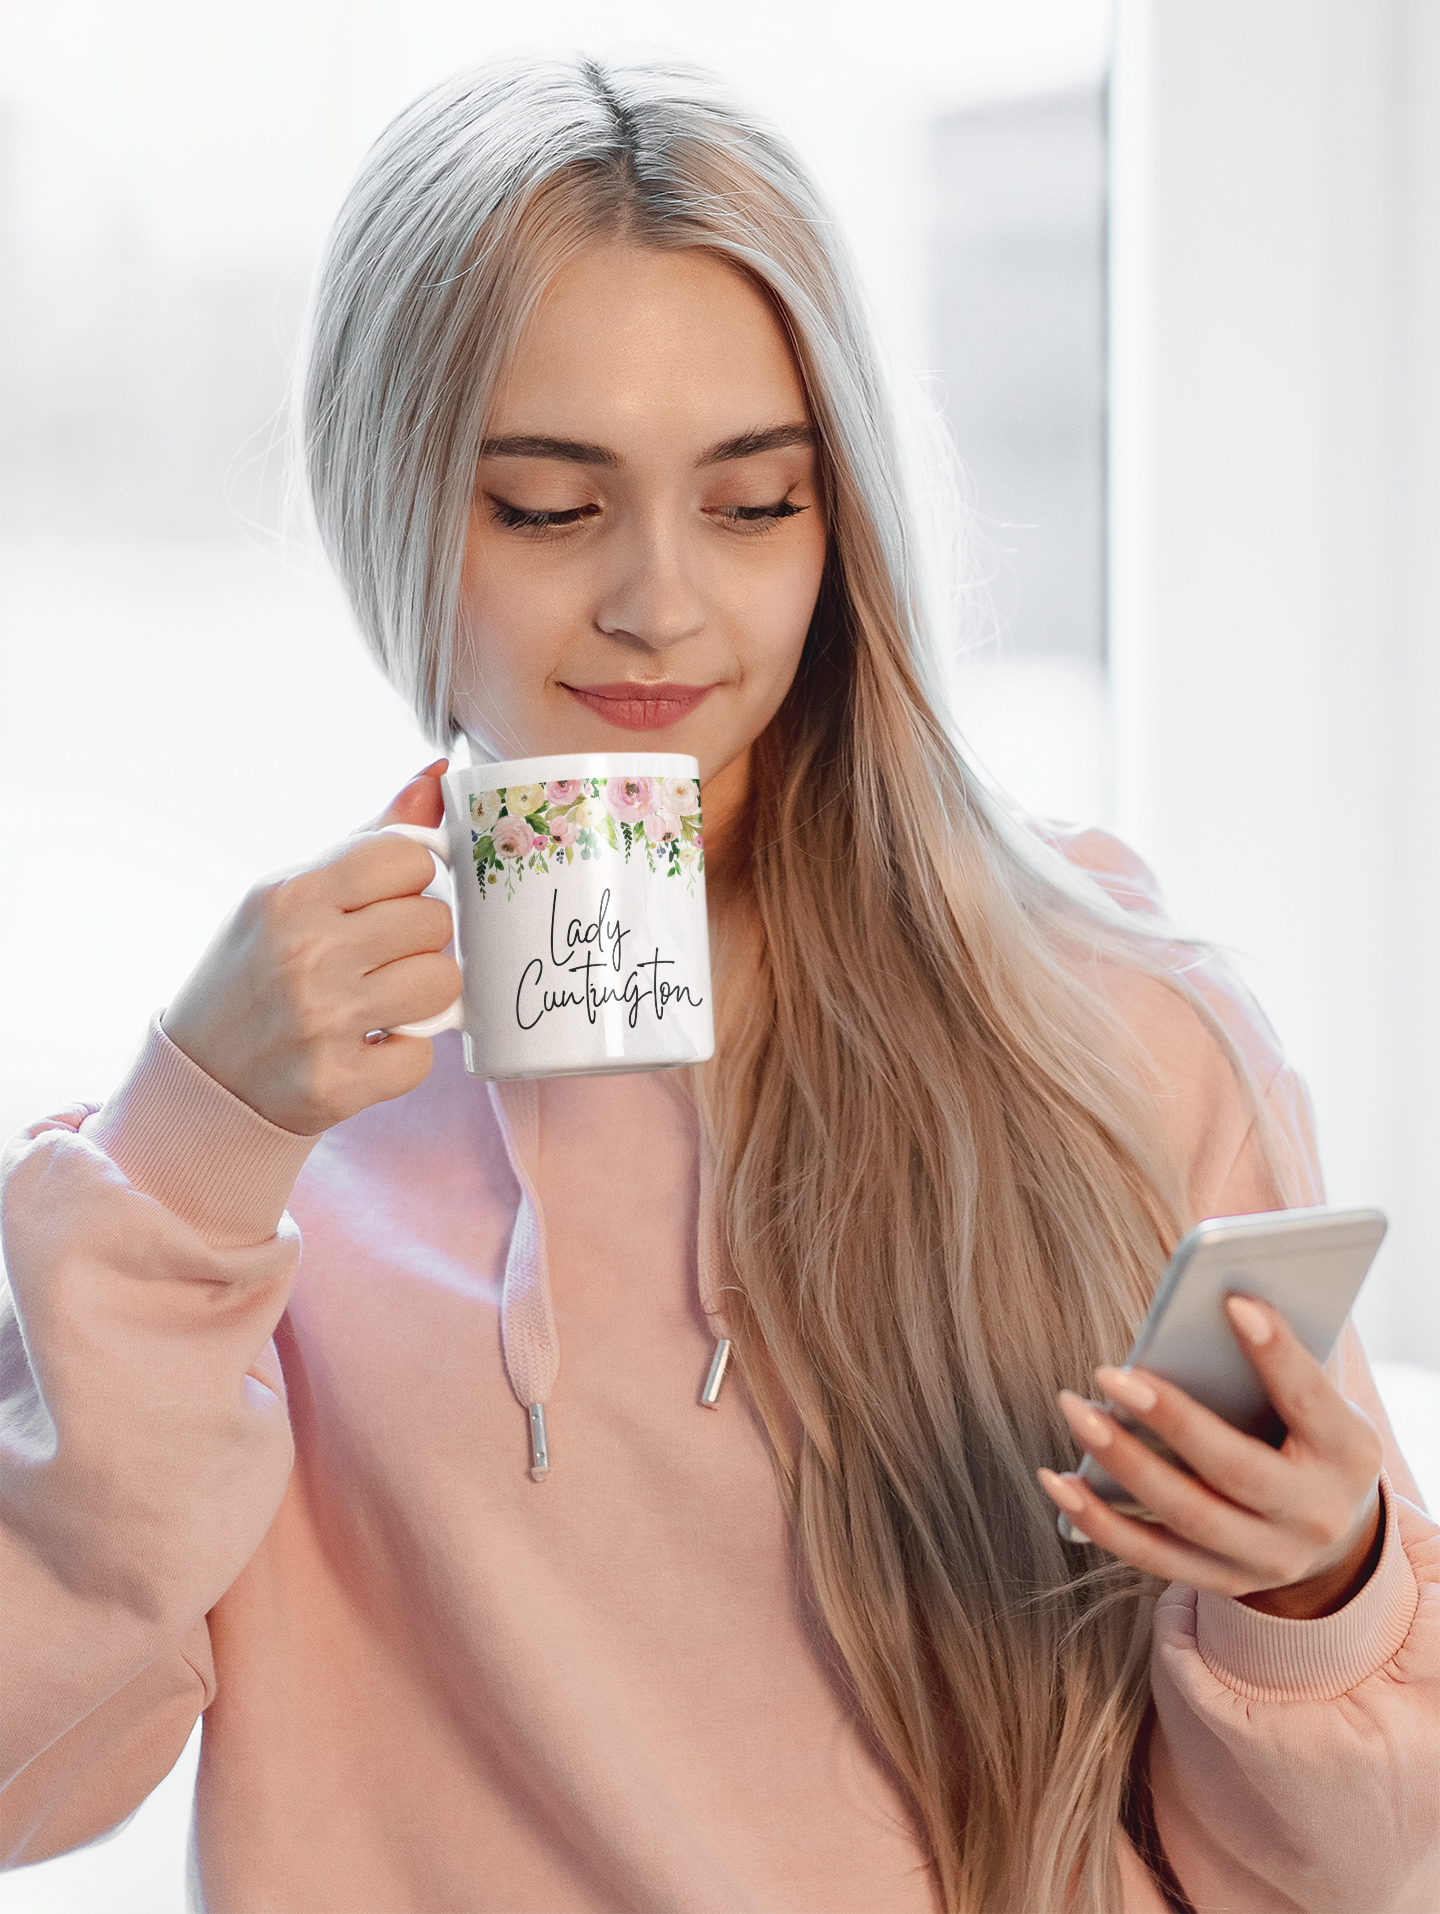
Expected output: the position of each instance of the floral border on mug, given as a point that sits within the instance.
(529, 827)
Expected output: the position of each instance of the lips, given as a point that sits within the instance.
(640, 707)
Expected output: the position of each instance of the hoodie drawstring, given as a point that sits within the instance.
(527, 1320)
(528, 1336)
(713, 1266)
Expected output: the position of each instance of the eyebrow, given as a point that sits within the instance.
(745, 445)
(748, 445)
(530, 445)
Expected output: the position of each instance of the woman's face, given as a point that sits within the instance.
(647, 536)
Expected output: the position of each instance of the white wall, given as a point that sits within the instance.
(1276, 521)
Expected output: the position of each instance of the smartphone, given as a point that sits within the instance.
(1308, 1263)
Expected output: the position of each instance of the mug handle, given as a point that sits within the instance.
(438, 844)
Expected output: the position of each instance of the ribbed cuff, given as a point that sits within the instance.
(1273, 1658)
(210, 1159)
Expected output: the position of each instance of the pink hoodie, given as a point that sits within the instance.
(293, 1490)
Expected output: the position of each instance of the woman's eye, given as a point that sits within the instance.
(515, 518)
(761, 516)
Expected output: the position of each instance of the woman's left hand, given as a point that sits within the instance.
(1293, 1531)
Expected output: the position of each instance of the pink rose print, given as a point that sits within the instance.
(484, 809)
(513, 837)
(631, 800)
(661, 827)
(563, 791)
(680, 795)
(564, 831)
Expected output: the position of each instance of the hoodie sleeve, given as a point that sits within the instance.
(1295, 1765)
(144, 1440)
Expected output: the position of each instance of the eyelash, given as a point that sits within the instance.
(517, 520)
(763, 516)
(757, 517)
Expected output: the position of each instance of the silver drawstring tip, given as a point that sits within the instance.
(539, 1447)
(719, 1362)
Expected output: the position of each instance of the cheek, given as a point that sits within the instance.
(780, 600)
(507, 614)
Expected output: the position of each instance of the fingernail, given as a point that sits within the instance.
(435, 770)
(1093, 1429)
(1252, 1321)
(1061, 1489)
(1126, 1388)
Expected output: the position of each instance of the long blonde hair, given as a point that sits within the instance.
(944, 1196)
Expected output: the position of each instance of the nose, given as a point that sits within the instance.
(654, 598)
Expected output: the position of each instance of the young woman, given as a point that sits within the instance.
(597, 442)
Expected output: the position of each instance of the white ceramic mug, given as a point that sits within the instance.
(579, 900)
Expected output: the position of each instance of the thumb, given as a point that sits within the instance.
(421, 801)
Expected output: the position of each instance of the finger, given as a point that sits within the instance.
(1145, 1545)
(1187, 1506)
(1279, 1516)
(368, 869)
(397, 927)
(407, 991)
(421, 801)
(1307, 1402)
(1242, 1467)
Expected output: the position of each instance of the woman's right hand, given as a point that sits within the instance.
(278, 1008)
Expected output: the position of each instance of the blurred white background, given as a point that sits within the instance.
(1185, 323)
